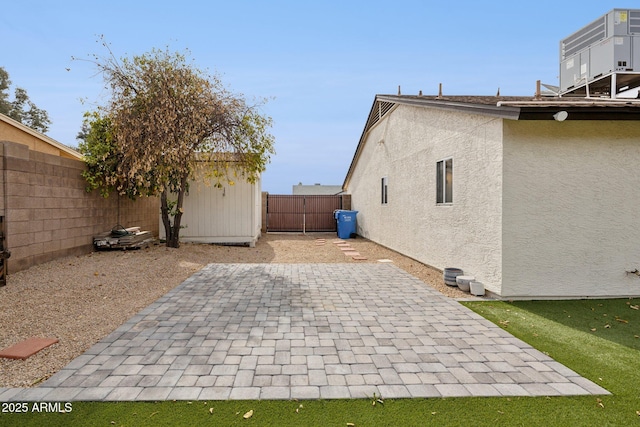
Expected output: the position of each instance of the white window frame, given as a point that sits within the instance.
(384, 190)
(444, 189)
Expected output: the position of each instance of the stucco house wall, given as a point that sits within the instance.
(541, 208)
(571, 213)
(404, 147)
(228, 215)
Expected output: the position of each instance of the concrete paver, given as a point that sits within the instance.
(305, 331)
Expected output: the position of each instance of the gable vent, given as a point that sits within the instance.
(377, 113)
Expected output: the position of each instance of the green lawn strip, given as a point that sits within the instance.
(559, 411)
(608, 356)
(574, 333)
(586, 336)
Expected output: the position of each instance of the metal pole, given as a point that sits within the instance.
(614, 86)
(4, 253)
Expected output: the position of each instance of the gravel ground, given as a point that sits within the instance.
(80, 300)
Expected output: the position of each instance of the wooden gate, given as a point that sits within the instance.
(302, 213)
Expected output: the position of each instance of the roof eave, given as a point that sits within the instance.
(68, 150)
(503, 111)
(356, 155)
(580, 113)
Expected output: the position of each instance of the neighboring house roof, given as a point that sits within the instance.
(506, 107)
(316, 189)
(34, 139)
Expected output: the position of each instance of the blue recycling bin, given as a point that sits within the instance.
(346, 223)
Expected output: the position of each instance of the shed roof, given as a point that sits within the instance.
(506, 107)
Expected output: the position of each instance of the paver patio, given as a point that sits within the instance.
(305, 331)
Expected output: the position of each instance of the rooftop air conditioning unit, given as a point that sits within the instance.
(603, 56)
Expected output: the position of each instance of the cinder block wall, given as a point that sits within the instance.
(48, 213)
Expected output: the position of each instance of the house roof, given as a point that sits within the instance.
(62, 149)
(506, 107)
(528, 108)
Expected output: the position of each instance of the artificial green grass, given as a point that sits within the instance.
(599, 339)
(596, 338)
(399, 412)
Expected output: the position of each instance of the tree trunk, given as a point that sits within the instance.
(166, 220)
(172, 231)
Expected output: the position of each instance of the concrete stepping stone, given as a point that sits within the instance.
(27, 348)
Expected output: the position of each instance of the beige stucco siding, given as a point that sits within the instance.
(405, 147)
(571, 208)
(13, 131)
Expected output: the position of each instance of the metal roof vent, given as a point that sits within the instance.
(602, 58)
(378, 111)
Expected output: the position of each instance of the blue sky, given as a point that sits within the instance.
(321, 63)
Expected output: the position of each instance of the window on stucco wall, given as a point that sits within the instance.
(383, 190)
(444, 181)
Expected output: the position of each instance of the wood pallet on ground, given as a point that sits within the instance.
(125, 238)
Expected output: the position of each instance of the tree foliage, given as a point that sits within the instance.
(21, 108)
(165, 119)
(96, 141)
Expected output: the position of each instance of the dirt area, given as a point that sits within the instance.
(80, 300)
